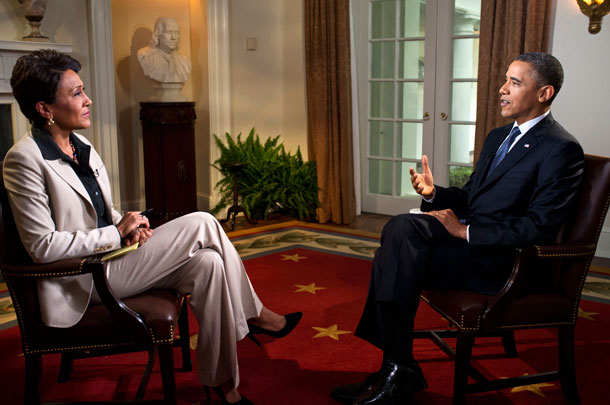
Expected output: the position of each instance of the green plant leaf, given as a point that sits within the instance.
(272, 178)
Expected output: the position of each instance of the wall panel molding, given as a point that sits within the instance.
(104, 123)
(219, 82)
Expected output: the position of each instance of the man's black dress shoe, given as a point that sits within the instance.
(292, 321)
(396, 385)
(348, 393)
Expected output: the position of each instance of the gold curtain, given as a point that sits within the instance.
(508, 29)
(329, 115)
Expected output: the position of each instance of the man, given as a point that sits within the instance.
(159, 60)
(524, 185)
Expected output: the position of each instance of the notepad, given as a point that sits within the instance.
(120, 252)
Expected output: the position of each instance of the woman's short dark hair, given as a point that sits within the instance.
(36, 77)
(546, 69)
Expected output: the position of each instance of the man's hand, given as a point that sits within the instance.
(451, 222)
(423, 183)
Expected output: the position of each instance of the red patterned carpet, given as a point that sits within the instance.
(323, 272)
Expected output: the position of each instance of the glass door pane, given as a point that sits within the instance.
(412, 18)
(383, 19)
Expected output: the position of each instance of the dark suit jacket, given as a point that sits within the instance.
(527, 197)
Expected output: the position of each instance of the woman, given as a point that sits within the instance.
(59, 192)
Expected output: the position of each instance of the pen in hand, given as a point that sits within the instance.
(145, 214)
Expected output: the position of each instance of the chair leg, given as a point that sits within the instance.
(185, 344)
(567, 364)
(65, 368)
(508, 341)
(168, 376)
(146, 376)
(463, 353)
(33, 376)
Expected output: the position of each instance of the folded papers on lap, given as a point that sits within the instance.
(120, 252)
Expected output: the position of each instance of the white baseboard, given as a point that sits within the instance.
(603, 246)
(203, 202)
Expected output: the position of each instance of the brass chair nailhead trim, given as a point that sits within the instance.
(41, 275)
(563, 254)
(169, 340)
(59, 349)
(460, 323)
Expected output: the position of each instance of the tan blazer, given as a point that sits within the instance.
(57, 220)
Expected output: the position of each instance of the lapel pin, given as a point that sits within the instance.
(527, 145)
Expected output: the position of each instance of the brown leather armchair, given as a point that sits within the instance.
(145, 322)
(517, 307)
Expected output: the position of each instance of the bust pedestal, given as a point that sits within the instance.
(167, 92)
(169, 159)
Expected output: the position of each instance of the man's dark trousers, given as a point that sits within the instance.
(416, 251)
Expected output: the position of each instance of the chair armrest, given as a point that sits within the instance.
(516, 284)
(564, 250)
(78, 266)
(60, 268)
(117, 308)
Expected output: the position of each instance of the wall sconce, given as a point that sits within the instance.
(595, 10)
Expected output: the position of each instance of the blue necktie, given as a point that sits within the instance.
(503, 150)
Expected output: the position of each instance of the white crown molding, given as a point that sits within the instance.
(29, 46)
(219, 82)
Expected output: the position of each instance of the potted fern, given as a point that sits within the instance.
(269, 180)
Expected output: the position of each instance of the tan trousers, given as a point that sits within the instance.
(192, 255)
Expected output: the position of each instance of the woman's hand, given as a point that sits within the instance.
(134, 227)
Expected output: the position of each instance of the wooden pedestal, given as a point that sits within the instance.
(169, 159)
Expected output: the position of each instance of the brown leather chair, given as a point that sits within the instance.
(516, 307)
(145, 322)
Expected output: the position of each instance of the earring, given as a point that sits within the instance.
(50, 121)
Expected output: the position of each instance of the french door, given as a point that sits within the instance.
(416, 63)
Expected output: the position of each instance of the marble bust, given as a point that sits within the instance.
(160, 60)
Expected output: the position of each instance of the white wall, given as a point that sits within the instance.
(268, 84)
(582, 105)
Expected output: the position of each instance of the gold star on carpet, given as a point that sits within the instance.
(535, 388)
(193, 341)
(586, 315)
(331, 332)
(295, 257)
(310, 288)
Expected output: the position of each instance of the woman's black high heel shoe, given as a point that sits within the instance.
(292, 320)
(221, 395)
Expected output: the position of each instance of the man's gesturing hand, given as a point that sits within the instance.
(423, 183)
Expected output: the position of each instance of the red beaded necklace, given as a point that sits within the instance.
(73, 152)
